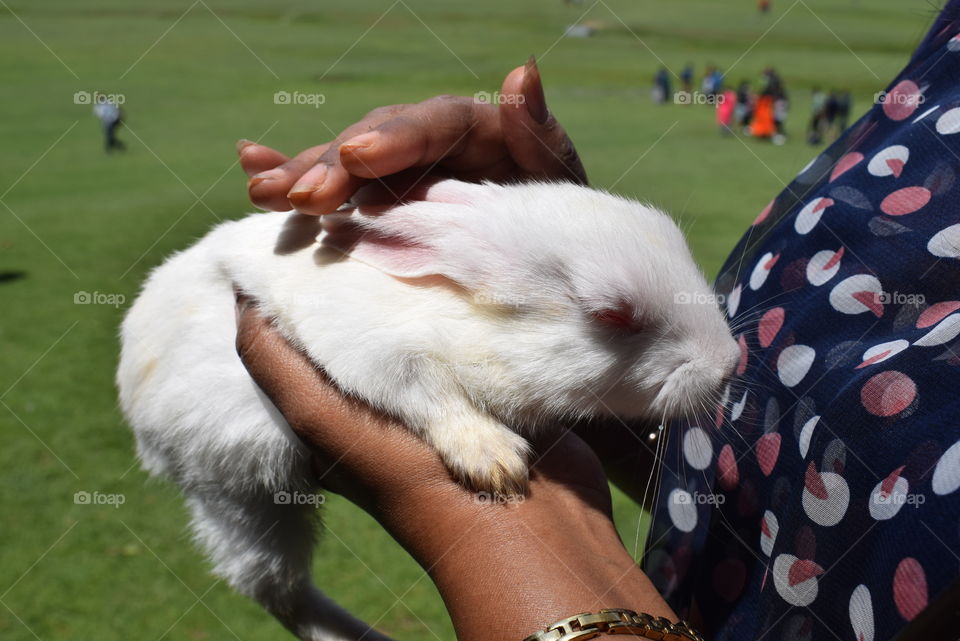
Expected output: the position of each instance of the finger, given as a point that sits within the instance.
(255, 158)
(422, 134)
(536, 141)
(268, 189)
(283, 373)
(325, 187)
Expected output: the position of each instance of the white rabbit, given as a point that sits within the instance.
(477, 316)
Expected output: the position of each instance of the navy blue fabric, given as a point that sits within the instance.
(823, 501)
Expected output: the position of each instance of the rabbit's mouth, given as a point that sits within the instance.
(691, 391)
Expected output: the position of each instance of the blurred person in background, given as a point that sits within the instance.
(726, 111)
(818, 104)
(661, 86)
(844, 106)
(686, 77)
(744, 109)
(110, 115)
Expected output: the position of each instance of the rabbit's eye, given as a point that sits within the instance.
(620, 317)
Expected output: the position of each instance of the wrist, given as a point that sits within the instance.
(506, 570)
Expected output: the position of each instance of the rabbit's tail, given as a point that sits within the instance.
(261, 545)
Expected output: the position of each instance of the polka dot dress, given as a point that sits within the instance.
(823, 500)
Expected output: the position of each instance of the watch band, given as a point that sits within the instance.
(616, 621)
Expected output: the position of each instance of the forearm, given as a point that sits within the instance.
(506, 571)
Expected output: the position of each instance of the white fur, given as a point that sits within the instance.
(471, 316)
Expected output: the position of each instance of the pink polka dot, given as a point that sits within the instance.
(770, 324)
(768, 450)
(845, 164)
(744, 355)
(888, 393)
(900, 102)
(762, 216)
(803, 570)
(910, 588)
(727, 473)
(813, 482)
(936, 313)
(905, 201)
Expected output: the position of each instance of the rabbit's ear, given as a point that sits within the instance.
(454, 192)
(395, 255)
(403, 244)
(431, 237)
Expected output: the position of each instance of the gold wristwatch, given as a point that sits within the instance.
(616, 621)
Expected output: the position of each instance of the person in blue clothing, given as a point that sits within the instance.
(821, 501)
(686, 78)
(110, 115)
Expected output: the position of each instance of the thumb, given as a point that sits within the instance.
(534, 138)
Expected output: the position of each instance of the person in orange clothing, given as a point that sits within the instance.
(763, 124)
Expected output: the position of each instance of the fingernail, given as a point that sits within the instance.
(256, 179)
(532, 89)
(301, 191)
(242, 144)
(361, 142)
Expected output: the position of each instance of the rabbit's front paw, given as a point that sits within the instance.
(484, 454)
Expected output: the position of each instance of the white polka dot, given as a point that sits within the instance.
(697, 448)
(768, 537)
(945, 331)
(737, 408)
(762, 270)
(823, 266)
(889, 161)
(949, 122)
(802, 590)
(946, 475)
(925, 114)
(828, 511)
(946, 243)
(794, 362)
(858, 294)
(861, 613)
(883, 351)
(733, 301)
(682, 511)
(885, 505)
(806, 433)
(810, 215)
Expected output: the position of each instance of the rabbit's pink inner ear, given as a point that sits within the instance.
(454, 192)
(390, 254)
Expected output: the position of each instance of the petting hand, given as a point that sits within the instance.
(393, 148)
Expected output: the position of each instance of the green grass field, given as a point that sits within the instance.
(199, 75)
